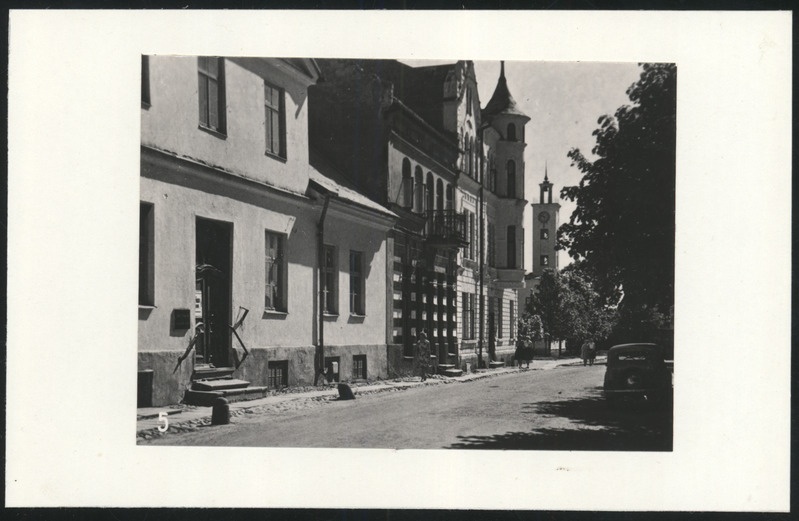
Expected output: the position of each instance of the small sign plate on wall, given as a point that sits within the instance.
(181, 319)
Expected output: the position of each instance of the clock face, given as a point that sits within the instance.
(543, 217)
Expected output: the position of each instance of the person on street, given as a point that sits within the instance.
(585, 352)
(591, 352)
(422, 360)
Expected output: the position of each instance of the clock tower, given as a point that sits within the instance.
(545, 229)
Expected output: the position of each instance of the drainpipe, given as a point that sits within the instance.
(320, 241)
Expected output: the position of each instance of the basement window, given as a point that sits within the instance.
(359, 367)
(278, 374)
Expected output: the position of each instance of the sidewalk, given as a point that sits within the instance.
(183, 418)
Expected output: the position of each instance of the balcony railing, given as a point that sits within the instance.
(446, 226)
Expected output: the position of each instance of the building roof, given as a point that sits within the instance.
(502, 101)
(337, 184)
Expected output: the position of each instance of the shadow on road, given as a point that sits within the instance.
(593, 426)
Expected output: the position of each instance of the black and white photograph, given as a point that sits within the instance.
(325, 244)
(517, 260)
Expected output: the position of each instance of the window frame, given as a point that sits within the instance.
(407, 184)
(357, 278)
(277, 374)
(511, 132)
(206, 79)
(271, 110)
(359, 362)
(510, 240)
(499, 318)
(467, 315)
(544, 235)
(330, 280)
(146, 254)
(279, 304)
(544, 260)
(510, 178)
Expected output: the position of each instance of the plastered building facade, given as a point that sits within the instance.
(416, 141)
(254, 265)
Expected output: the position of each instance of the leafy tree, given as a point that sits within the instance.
(623, 226)
(530, 328)
(547, 303)
(570, 308)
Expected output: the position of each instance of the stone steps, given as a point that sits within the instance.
(219, 384)
(206, 398)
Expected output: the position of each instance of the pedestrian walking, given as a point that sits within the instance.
(585, 352)
(591, 352)
(524, 353)
(422, 358)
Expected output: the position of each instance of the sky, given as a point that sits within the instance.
(564, 101)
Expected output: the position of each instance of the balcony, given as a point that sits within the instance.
(446, 228)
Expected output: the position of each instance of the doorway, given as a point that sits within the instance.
(213, 290)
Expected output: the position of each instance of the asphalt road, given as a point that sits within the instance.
(558, 409)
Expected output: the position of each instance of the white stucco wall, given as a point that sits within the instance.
(172, 120)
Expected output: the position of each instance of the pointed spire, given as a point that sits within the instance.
(546, 174)
(502, 102)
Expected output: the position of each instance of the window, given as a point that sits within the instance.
(418, 203)
(274, 108)
(472, 158)
(512, 323)
(439, 195)
(359, 367)
(275, 267)
(499, 317)
(468, 101)
(146, 257)
(544, 233)
(407, 184)
(511, 132)
(430, 194)
(511, 247)
(511, 171)
(492, 252)
(145, 80)
(329, 281)
(544, 260)
(278, 374)
(357, 306)
(467, 317)
(211, 75)
(472, 238)
(467, 155)
(449, 197)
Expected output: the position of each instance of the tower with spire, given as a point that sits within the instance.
(505, 118)
(545, 226)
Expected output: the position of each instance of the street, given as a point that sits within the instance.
(558, 409)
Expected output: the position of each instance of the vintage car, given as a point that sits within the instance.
(637, 372)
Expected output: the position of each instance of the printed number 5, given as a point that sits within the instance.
(162, 417)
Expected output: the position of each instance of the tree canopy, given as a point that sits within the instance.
(623, 226)
(570, 308)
